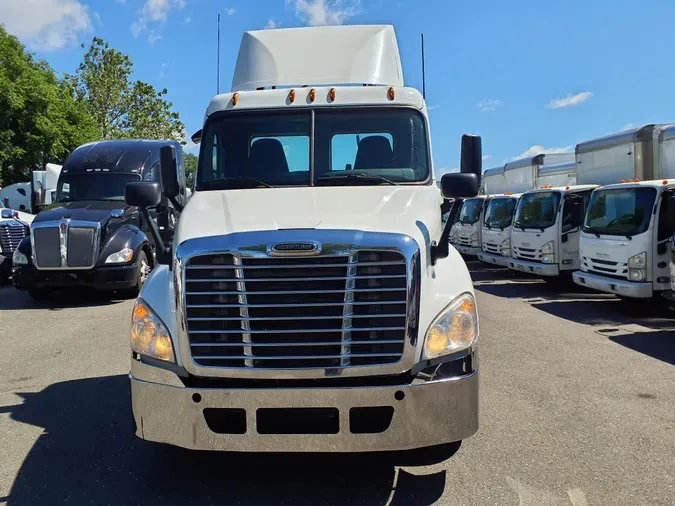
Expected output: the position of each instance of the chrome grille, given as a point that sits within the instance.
(10, 237)
(296, 313)
(66, 244)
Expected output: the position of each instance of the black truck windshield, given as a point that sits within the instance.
(624, 211)
(537, 210)
(470, 212)
(93, 186)
(499, 213)
(384, 146)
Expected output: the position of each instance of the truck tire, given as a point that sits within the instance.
(143, 268)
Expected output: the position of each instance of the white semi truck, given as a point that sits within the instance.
(319, 307)
(627, 232)
(548, 219)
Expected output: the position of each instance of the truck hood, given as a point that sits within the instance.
(98, 211)
(411, 210)
(613, 248)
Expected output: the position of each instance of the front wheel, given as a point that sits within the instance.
(143, 269)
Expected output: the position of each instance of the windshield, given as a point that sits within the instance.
(287, 148)
(620, 212)
(499, 213)
(98, 186)
(537, 210)
(470, 212)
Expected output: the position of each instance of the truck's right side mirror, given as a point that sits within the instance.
(143, 194)
(169, 171)
(472, 156)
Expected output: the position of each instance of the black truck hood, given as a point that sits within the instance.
(88, 210)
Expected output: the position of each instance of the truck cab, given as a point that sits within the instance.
(467, 229)
(14, 226)
(497, 224)
(320, 298)
(89, 237)
(626, 239)
(546, 229)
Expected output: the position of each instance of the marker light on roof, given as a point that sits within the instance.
(391, 94)
(235, 98)
(665, 181)
(331, 94)
(291, 96)
(312, 95)
(623, 181)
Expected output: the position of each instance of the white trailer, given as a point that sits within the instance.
(547, 221)
(16, 196)
(494, 181)
(626, 239)
(44, 185)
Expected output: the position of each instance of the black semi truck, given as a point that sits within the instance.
(89, 237)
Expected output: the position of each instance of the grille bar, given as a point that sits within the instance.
(323, 312)
(10, 237)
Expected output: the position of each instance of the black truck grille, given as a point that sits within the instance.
(10, 237)
(80, 245)
(296, 313)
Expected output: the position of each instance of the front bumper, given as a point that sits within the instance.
(117, 277)
(5, 266)
(533, 267)
(612, 285)
(427, 413)
(467, 250)
(492, 258)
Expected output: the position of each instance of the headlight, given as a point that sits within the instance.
(638, 261)
(120, 257)
(547, 258)
(149, 335)
(19, 258)
(547, 248)
(454, 329)
(636, 274)
(506, 247)
(547, 254)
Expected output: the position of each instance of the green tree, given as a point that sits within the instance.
(190, 169)
(40, 119)
(122, 108)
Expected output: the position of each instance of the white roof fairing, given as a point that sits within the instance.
(326, 55)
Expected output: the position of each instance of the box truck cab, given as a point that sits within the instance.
(627, 232)
(496, 229)
(466, 231)
(310, 289)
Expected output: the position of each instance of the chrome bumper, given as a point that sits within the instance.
(467, 250)
(533, 267)
(424, 414)
(492, 258)
(612, 285)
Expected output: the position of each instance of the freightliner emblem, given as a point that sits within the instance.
(295, 248)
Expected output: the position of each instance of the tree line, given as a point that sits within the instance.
(44, 117)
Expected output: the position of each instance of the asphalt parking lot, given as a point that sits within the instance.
(577, 408)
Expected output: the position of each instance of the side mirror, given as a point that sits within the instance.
(169, 171)
(9, 213)
(460, 185)
(472, 156)
(143, 194)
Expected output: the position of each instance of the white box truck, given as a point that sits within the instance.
(627, 232)
(466, 231)
(547, 221)
(310, 300)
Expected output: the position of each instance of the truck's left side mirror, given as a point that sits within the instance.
(9, 213)
(472, 156)
(169, 171)
(143, 194)
(459, 185)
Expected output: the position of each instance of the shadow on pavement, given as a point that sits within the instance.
(12, 299)
(88, 455)
(659, 345)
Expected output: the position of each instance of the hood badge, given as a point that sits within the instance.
(294, 249)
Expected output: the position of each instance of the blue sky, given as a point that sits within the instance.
(525, 75)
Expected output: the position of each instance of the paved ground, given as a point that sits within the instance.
(577, 408)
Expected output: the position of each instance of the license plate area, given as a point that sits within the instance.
(298, 420)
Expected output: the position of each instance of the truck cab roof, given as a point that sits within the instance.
(666, 183)
(126, 156)
(565, 189)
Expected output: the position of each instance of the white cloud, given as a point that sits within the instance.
(97, 17)
(629, 126)
(432, 107)
(488, 104)
(486, 157)
(46, 25)
(188, 19)
(445, 170)
(153, 37)
(325, 12)
(570, 100)
(154, 11)
(271, 24)
(538, 149)
(231, 11)
(161, 75)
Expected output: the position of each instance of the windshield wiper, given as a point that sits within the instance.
(519, 225)
(234, 183)
(356, 176)
(592, 231)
